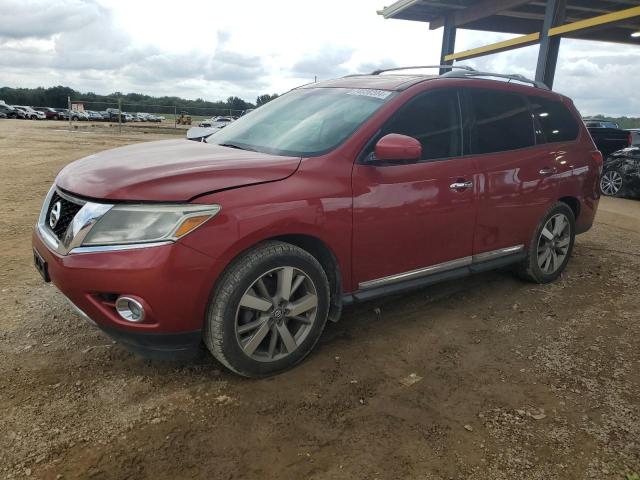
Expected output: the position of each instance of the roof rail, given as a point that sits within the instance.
(463, 67)
(515, 76)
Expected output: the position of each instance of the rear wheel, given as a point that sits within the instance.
(268, 311)
(551, 246)
(611, 183)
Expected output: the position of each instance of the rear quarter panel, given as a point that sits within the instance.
(583, 183)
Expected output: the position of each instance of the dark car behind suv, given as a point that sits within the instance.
(608, 136)
(334, 193)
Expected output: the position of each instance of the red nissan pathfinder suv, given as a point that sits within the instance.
(336, 192)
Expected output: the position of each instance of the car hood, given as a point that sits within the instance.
(196, 133)
(170, 171)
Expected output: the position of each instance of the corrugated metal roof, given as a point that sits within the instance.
(518, 17)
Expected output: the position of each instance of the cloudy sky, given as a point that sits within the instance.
(214, 49)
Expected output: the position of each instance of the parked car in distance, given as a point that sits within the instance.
(216, 122)
(74, 114)
(93, 116)
(12, 112)
(199, 133)
(149, 117)
(116, 115)
(595, 123)
(49, 113)
(635, 136)
(30, 113)
(607, 136)
(62, 113)
(334, 193)
(621, 173)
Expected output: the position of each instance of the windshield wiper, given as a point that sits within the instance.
(235, 145)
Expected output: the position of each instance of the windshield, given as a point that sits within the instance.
(304, 122)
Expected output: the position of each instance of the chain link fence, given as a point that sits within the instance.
(131, 115)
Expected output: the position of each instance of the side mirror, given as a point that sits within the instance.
(398, 147)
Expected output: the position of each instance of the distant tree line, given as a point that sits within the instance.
(57, 97)
(262, 99)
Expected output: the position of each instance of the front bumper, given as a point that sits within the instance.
(173, 281)
(154, 346)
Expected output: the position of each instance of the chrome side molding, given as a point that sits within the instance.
(441, 267)
(501, 252)
(420, 272)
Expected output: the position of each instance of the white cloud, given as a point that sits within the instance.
(599, 77)
(216, 49)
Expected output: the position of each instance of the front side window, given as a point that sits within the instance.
(555, 120)
(502, 122)
(303, 122)
(432, 118)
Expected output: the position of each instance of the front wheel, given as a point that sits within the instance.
(268, 310)
(550, 248)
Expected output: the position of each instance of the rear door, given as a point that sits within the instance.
(517, 173)
(410, 216)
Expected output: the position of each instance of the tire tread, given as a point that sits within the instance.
(213, 334)
(526, 268)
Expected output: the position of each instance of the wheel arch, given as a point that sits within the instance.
(323, 253)
(573, 203)
(308, 242)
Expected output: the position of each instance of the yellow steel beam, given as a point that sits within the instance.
(510, 44)
(532, 38)
(595, 21)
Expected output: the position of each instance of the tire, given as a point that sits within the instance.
(612, 183)
(241, 337)
(547, 257)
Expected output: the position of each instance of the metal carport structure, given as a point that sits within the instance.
(535, 21)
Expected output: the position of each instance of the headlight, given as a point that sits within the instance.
(126, 224)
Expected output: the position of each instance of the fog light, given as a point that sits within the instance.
(129, 309)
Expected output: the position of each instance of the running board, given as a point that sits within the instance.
(419, 278)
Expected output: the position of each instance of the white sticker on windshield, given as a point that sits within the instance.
(370, 92)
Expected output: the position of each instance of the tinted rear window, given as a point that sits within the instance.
(502, 122)
(555, 120)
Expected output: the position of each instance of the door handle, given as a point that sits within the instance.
(547, 171)
(461, 185)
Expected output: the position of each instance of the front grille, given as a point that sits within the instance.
(68, 211)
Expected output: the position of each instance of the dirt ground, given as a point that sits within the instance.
(484, 378)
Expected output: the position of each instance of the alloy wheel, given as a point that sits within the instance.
(276, 314)
(553, 244)
(611, 182)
